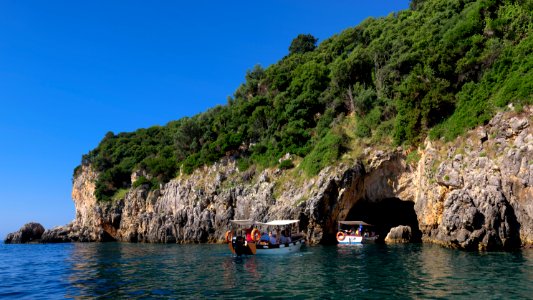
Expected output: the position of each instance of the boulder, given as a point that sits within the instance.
(400, 234)
(30, 232)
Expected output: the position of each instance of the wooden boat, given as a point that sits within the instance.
(347, 233)
(236, 240)
(248, 241)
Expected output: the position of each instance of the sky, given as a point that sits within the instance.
(70, 71)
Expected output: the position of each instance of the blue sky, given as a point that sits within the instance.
(70, 71)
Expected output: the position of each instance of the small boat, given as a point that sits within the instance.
(250, 242)
(349, 235)
(236, 240)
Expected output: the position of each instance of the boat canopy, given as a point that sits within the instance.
(354, 223)
(278, 222)
(243, 222)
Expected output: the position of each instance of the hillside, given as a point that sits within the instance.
(436, 69)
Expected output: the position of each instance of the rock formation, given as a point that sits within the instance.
(399, 234)
(30, 232)
(476, 192)
(472, 193)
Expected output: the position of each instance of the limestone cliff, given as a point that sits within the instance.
(477, 191)
(473, 193)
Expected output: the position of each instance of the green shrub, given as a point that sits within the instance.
(362, 130)
(243, 163)
(286, 164)
(413, 158)
(141, 180)
(326, 151)
(120, 194)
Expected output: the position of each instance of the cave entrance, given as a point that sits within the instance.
(385, 214)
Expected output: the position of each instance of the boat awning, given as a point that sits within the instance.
(243, 222)
(354, 223)
(278, 222)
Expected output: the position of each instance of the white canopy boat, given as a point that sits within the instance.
(349, 235)
(250, 243)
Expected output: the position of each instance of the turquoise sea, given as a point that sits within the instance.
(121, 270)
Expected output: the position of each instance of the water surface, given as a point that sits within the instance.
(111, 270)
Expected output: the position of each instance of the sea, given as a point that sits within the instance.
(203, 271)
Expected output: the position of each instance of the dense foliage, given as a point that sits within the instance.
(438, 68)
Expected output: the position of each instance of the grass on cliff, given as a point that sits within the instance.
(120, 195)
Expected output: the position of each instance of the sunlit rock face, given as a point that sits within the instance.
(472, 193)
(475, 193)
(399, 235)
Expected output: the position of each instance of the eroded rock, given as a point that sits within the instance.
(29, 233)
(399, 235)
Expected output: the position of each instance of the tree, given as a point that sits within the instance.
(303, 43)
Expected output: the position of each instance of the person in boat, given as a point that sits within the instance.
(288, 235)
(249, 234)
(265, 239)
(283, 238)
(273, 239)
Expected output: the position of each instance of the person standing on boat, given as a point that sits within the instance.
(249, 234)
(361, 229)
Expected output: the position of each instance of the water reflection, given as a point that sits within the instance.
(118, 270)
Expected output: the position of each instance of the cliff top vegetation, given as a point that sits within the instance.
(435, 69)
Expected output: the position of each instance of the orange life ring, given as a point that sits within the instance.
(229, 236)
(340, 236)
(256, 235)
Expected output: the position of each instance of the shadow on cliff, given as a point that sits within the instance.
(511, 238)
(386, 214)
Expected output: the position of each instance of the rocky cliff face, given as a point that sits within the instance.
(474, 193)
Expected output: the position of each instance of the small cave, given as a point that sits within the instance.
(385, 214)
(109, 233)
(106, 237)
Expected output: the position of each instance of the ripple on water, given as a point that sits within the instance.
(117, 270)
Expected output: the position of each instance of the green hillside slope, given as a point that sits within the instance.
(436, 69)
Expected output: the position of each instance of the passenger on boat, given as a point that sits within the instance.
(249, 234)
(265, 237)
(283, 238)
(288, 235)
(273, 239)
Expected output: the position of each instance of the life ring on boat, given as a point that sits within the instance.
(229, 236)
(340, 236)
(256, 235)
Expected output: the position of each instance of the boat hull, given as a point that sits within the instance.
(239, 247)
(279, 249)
(357, 240)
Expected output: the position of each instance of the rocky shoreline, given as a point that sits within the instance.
(472, 193)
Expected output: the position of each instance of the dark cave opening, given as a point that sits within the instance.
(106, 237)
(386, 214)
